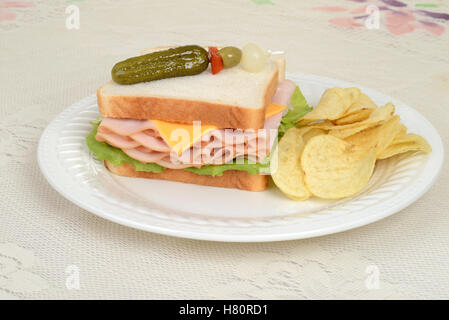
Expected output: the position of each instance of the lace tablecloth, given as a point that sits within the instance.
(50, 248)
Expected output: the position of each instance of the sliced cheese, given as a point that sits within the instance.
(273, 109)
(181, 137)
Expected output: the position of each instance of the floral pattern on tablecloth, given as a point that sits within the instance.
(15, 275)
(397, 17)
(8, 9)
(22, 13)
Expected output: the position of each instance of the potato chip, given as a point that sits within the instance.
(313, 132)
(342, 134)
(379, 137)
(402, 132)
(382, 113)
(336, 103)
(366, 101)
(309, 132)
(359, 115)
(378, 116)
(363, 102)
(405, 143)
(323, 125)
(407, 138)
(333, 153)
(340, 131)
(333, 168)
(354, 93)
(286, 168)
(333, 104)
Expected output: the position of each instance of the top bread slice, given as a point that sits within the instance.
(233, 98)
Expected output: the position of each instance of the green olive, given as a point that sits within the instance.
(231, 56)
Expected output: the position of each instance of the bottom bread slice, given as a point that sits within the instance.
(230, 179)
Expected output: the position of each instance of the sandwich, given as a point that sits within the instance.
(206, 116)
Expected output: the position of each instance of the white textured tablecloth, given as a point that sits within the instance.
(46, 240)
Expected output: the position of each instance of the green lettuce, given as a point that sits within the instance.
(104, 151)
(299, 109)
(217, 170)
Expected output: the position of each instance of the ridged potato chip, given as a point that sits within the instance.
(363, 102)
(356, 116)
(379, 137)
(337, 103)
(405, 143)
(309, 132)
(285, 165)
(333, 104)
(334, 169)
(353, 93)
(378, 116)
(333, 153)
(359, 110)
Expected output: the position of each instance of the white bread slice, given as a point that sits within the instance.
(230, 179)
(232, 98)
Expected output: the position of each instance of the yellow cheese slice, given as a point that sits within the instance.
(273, 109)
(181, 137)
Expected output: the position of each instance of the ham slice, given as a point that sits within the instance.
(126, 127)
(144, 155)
(284, 92)
(141, 140)
(156, 143)
(116, 140)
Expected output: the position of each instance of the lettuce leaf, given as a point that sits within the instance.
(104, 151)
(299, 109)
(217, 170)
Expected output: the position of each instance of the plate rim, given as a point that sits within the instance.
(250, 237)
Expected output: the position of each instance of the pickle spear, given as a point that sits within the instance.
(175, 62)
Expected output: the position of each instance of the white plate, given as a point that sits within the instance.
(210, 213)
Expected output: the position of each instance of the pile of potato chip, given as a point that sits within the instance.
(333, 151)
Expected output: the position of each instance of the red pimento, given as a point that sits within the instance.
(216, 61)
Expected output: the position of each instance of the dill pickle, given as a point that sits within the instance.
(175, 62)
